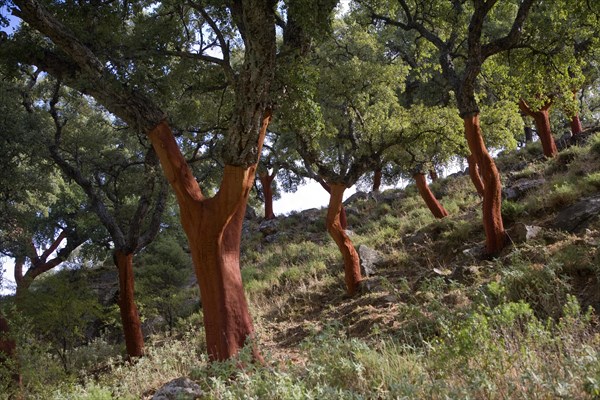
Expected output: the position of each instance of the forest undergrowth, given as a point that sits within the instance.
(438, 319)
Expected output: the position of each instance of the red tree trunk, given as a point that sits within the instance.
(343, 218)
(433, 175)
(474, 174)
(266, 181)
(492, 193)
(215, 242)
(8, 353)
(336, 230)
(542, 123)
(377, 180)
(130, 318)
(576, 127)
(213, 227)
(433, 204)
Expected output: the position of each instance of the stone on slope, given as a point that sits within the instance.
(179, 389)
(577, 217)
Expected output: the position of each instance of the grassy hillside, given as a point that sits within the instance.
(437, 319)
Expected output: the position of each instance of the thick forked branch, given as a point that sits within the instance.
(512, 37)
(41, 264)
(411, 24)
(84, 71)
(53, 246)
(37, 16)
(77, 71)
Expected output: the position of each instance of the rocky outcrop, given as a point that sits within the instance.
(520, 188)
(179, 389)
(521, 233)
(269, 227)
(577, 217)
(370, 259)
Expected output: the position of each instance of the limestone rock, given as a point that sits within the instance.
(564, 141)
(312, 215)
(577, 217)
(369, 260)
(180, 389)
(521, 233)
(273, 237)
(269, 227)
(356, 196)
(388, 197)
(521, 187)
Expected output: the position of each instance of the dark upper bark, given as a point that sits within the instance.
(255, 20)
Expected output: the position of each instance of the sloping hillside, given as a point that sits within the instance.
(435, 318)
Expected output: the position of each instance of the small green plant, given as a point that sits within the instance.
(562, 194)
(512, 211)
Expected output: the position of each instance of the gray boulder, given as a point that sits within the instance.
(179, 389)
(273, 237)
(370, 259)
(577, 217)
(388, 197)
(269, 227)
(521, 187)
(312, 215)
(564, 141)
(356, 196)
(521, 233)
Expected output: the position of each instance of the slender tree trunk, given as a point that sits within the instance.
(474, 174)
(492, 193)
(213, 227)
(528, 134)
(8, 353)
(542, 123)
(130, 318)
(576, 127)
(376, 180)
(343, 218)
(266, 181)
(433, 175)
(433, 204)
(336, 230)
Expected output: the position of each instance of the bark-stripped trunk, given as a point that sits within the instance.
(492, 193)
(213, 228)
(474, 174)
(266, 181)
(8, 353)
(433, 175)
(542, 123)
(130, 318)
(211, 225)
(215, 244)
(377, 180)
(576, 127)
(343, 218)
(433, 204)
(336, 230)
